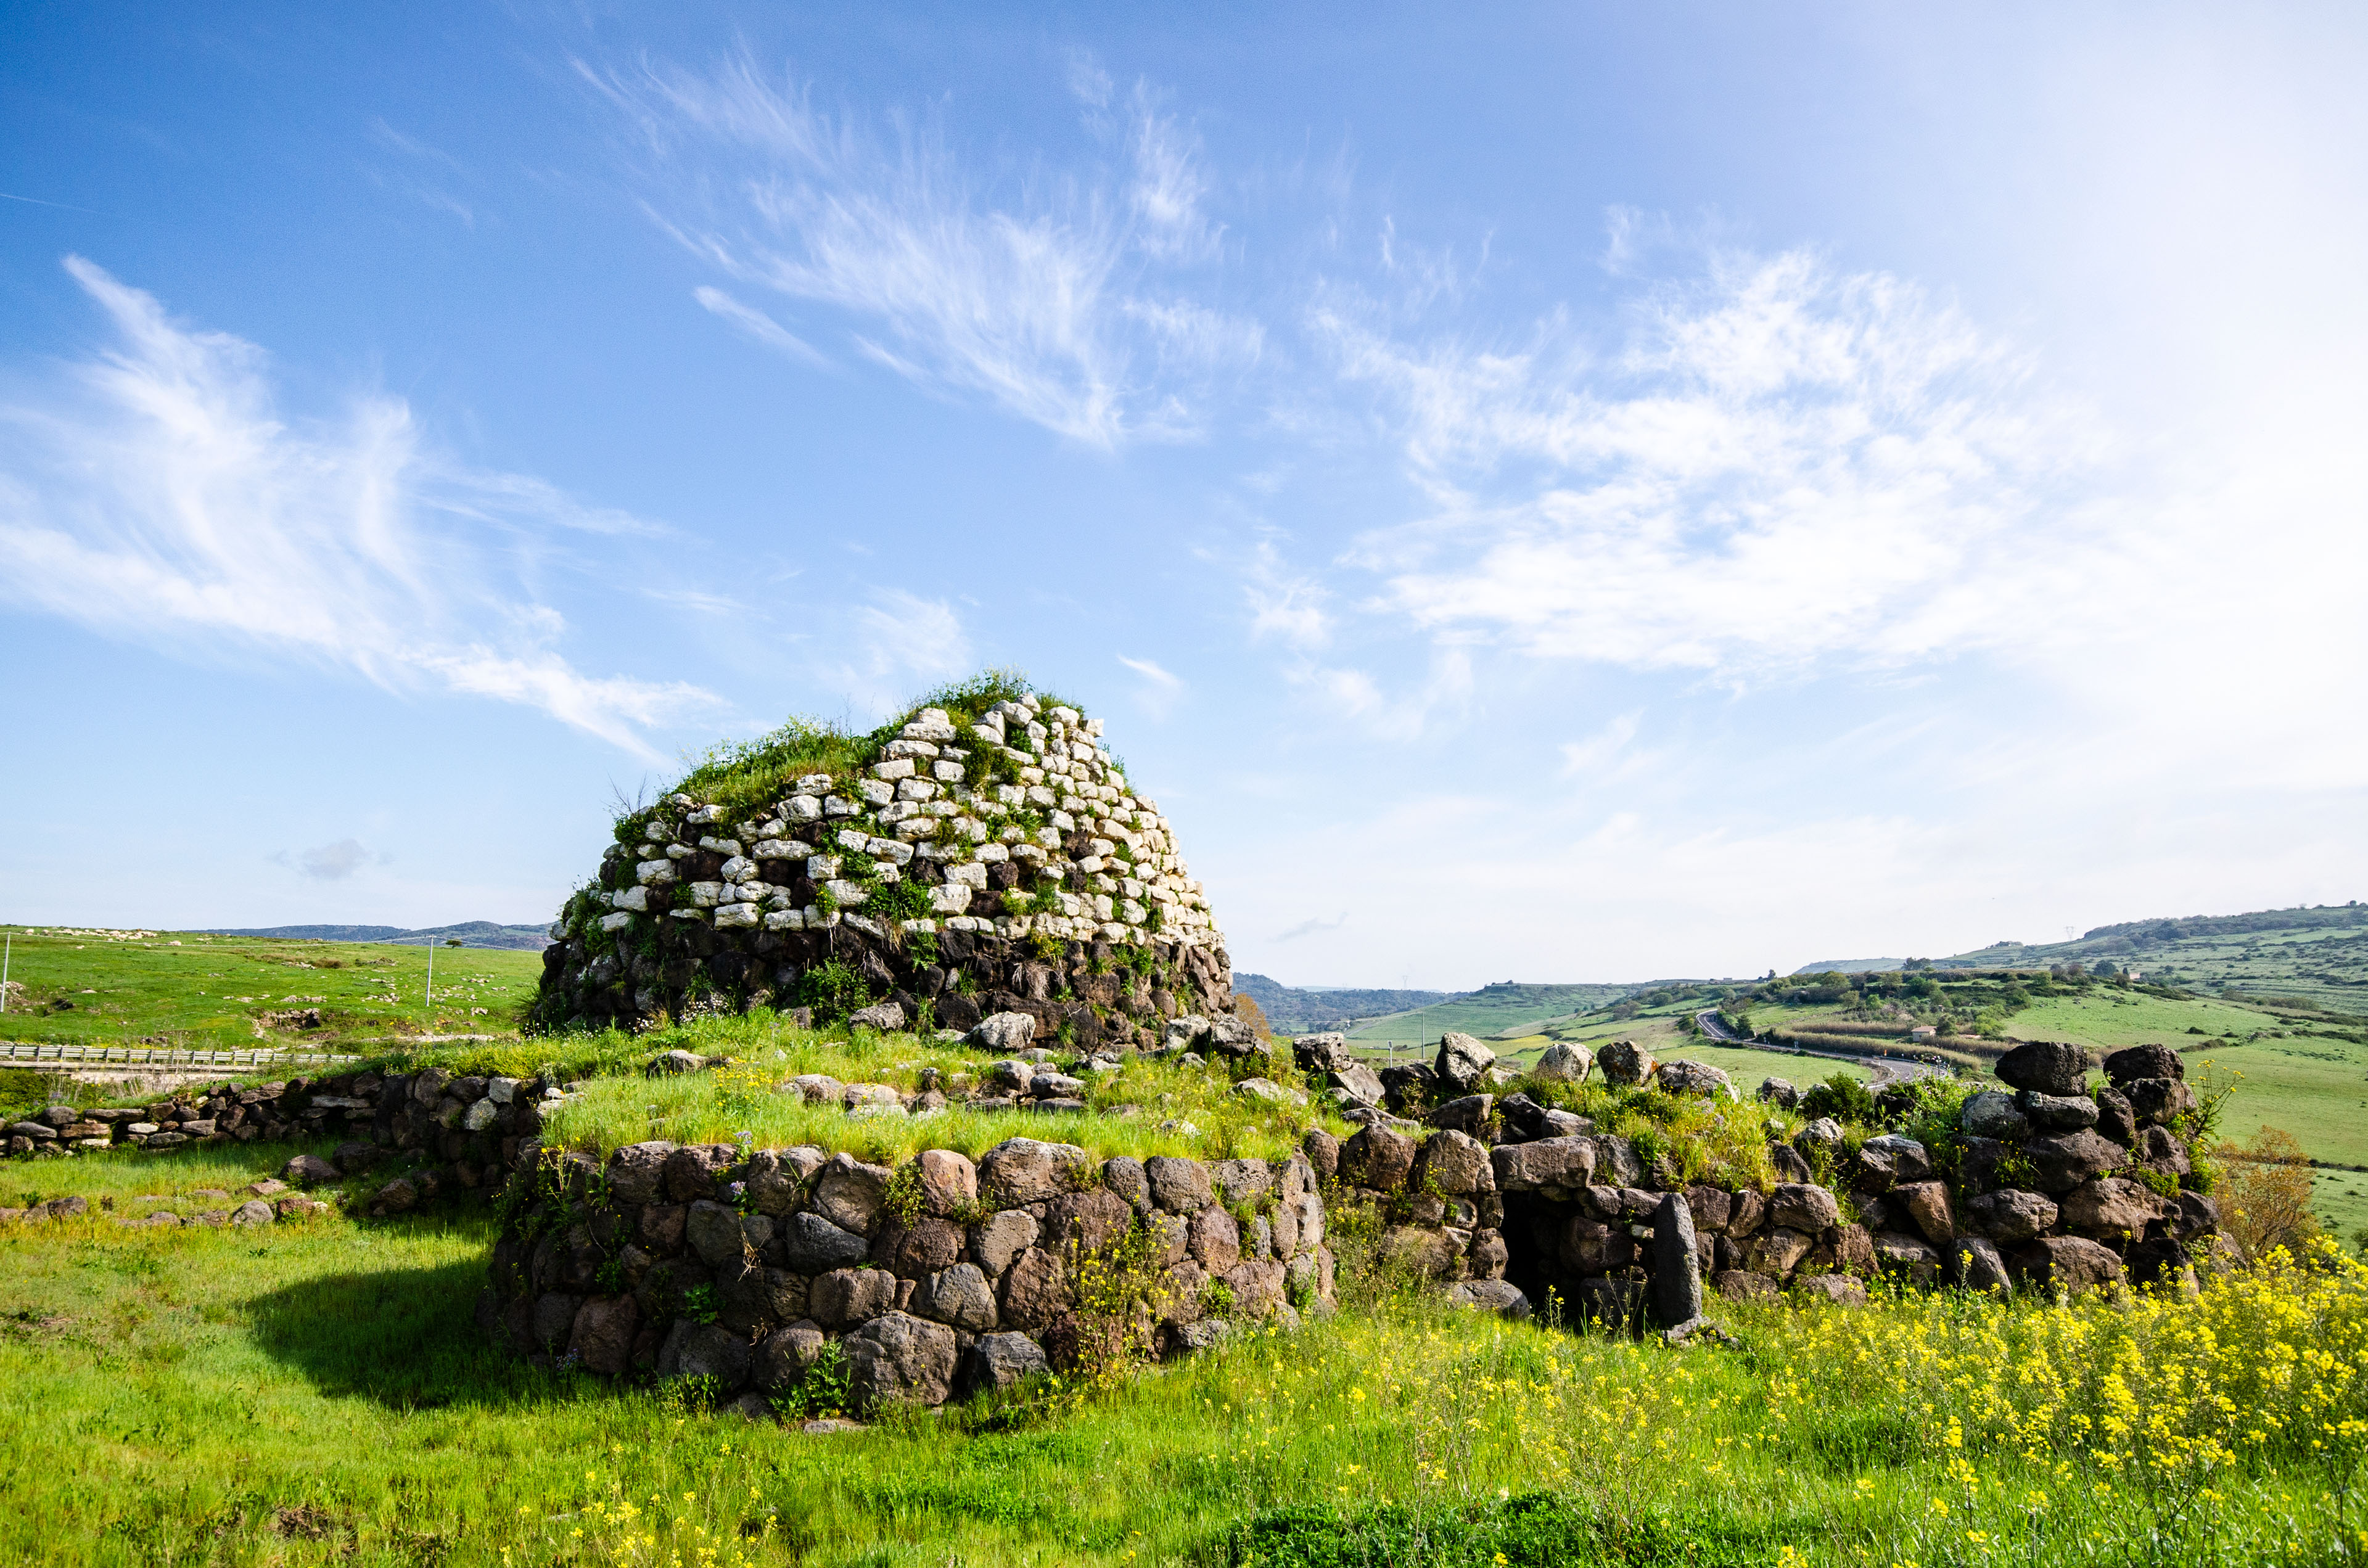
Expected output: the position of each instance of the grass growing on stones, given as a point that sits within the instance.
(742, 1103)
(315, 1393)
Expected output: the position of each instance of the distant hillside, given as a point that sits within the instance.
(471, 933)
(1302, 1010)
(2315, 953)
(1508, 1007)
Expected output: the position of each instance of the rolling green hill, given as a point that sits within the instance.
(2317, 954)
(193, 990)
(1295, 1009)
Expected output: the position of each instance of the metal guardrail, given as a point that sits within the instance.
(164, 1056)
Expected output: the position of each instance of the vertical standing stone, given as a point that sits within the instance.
(1677, 1278)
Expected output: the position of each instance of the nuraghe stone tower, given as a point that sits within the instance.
(960, 863)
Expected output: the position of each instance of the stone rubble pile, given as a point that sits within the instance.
(751, 1266)
(998, 865)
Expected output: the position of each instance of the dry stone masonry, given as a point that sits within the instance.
(1506, 1200)
(752, 1267)
(991, 863)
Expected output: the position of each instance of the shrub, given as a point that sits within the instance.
(2265, 1194)
(1841, 1096)
(833, 990)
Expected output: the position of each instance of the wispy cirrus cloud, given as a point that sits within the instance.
(1043, 297)
(160, 496)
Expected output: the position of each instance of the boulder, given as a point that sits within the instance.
(1565, 1062)
(2010, 1215)
(2057, 1113)
(1325, 1052)
(2144, 1062)
(899, 1359)
(1463, 1063)
(1625, 1064)
(602, 1337)
(999, 1238)
(1907, 1257)
(949, 1181)
(1470, 1114)
(1035, 1291)
(254, 1211)
(1975, 1264)
(1548, 1161)
(708, 1350)
(1780, 1092)
(1684, 1077)
(1927, 1206)
(811, 1245)
(1775, 1251)
(2116, 1121)
(883, 1016)
(1804, 1206)
(1003, 1031)
(692, 1171)
(309, 1170)
(1993, 1114)
(2066, 1161)
(2051, 1067)
(1824, 1132)
(1323, 1152)
(1214, 1240)
(1360, 1081)
(922, 1248)
(850, 1194)
(959, 1296)
(1377, 1157)
(2113, 1209)
(1742, 1285)
(2158, 1101)
(846, 1296)
(1454, 1164)
(714, 1232)
(1499, 1296)
(786, 1354)
(1022, 1170)
(753, 1299)
(637, 1173)
(1837, 1290)
(1890, 1160)
(1179, 1186)
(1677, 1278)
(2067, 1263)
(999, 1361)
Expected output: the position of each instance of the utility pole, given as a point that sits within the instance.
(431, 972)
(7, 951)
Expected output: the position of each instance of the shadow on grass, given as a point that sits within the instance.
(405, 1338)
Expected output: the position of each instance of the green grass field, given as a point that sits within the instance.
(185, 990)
(2110, 1018)
(315, 1393)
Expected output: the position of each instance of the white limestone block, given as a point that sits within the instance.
(853, 839)
(617, 922)
(839, 806)
(678, 851)
(631, 898)
(908, 746)
(720, 846)
(738, 868)
(950, 899)
(919, 789)
(655, 871)
(737, 914)
(782, 850)
(848, 894)
(991, 853)
(814, 784)
(946, 772)
(876, 791)
(786, 920)
(917, 827)
(822, 868)
(706, 895)
(893, 769)
(1090, 864)
(970, 876)
(802, 808)
(889, 849)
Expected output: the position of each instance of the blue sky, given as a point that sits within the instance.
(1563, 493)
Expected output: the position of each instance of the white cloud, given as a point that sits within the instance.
(1160, 689)
(161, 497)
(1311, 926)
(901, 642)
(757, 324)
(327, 862)
(1037, 302)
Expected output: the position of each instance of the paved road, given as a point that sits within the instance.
(1886, 1069)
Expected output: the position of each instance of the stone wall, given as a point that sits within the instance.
(745, 1266)
(2053, 1186)
(453, 1134)
(971, 868)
